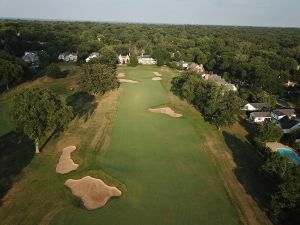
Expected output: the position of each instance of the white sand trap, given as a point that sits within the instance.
(166, 110)
(128, 81)
(66, 164)
(121, 75)
(156, 78)
(157, 74)
(93, 192)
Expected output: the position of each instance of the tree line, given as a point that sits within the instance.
(256, 58)
(217, 105)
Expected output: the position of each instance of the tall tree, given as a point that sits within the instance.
(98, 79)
(36, 111)
(9, 72)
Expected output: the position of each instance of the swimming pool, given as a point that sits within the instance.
(290, 154)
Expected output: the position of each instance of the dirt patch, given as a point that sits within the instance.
(128, 81)
(166, 110)
(93, 192)
(157, 74)
(156, 78)
(66, 164)
(121, 75)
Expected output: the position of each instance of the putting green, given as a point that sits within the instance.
(169, 177)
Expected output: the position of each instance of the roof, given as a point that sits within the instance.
(259, 105)
(261, 114)
(284, 112)
(145, 57)
(287, 123)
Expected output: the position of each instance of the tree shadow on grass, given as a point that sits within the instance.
(16, 152)
(248, 164)
(83, 104)
(250, 128)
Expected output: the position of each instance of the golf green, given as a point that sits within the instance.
(169, 178)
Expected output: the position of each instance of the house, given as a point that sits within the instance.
(251, 107)
(183, 64)
(68, 56)
(220, 81)
(124, 59)
(260, 117)
(290, 84)
(146, 60)
(32, 59)
(288, 125)
(279, 114)
(196, 68)
(92, 56)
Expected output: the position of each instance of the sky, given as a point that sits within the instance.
(271, 13)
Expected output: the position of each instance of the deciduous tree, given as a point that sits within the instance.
(36, 111)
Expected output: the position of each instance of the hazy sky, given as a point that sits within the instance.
(220, 12)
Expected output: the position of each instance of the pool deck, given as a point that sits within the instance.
(275, 145)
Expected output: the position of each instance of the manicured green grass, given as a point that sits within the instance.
(168, 176)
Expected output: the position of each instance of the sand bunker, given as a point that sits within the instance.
(66, 164)
(166, 110)
(156, 78)
(121, 75)
(93, 192)
(128, 81)
(157, 74)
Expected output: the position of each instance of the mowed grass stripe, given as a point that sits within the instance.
(168, 176)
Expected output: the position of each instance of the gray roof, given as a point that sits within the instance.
(261, 114)
(284, 112)
(259, 105)
(287, 123)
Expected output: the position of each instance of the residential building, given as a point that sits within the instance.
(196, 68)
(32, 59)
(146, 60)
(92, 56)
(68, 57)
(279, 114)
(124, 59)
(220, 81)
(260, 117)
(183, 64)
(251, 107)
(289, 125)
(290, 84)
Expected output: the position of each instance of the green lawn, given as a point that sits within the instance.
(171, 170)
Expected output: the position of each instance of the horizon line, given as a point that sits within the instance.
(142, 23)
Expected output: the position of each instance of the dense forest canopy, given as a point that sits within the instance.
(259, 57)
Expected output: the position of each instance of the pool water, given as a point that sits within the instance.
(290, 154)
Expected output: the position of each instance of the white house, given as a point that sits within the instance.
(68, 56)
(251, 107)
(124, 59)
(279, 114)
(288, 125)
(146, 60)
(92, 56)
(260, 117)
(183, 64)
